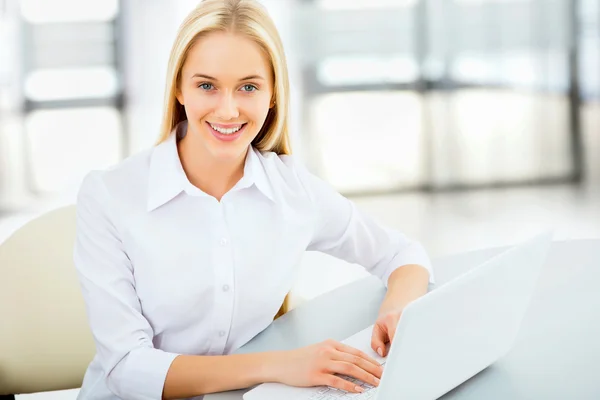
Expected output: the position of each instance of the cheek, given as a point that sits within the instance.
(258, 110)
(197, 105)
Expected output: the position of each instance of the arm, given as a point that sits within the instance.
(316, 365)
(404, 285)
(342, 230)
(191, 376)
(132, 367)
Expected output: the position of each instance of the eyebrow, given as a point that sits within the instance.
(215, 79)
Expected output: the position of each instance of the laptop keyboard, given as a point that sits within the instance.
(329, 393)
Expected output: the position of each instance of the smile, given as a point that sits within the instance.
(227, 131)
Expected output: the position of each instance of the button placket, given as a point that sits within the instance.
(224, 274)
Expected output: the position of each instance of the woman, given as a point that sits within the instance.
(186, 251)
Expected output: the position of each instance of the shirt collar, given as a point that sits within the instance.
(167, 178)
(255, 173)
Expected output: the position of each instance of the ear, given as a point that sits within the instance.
(272, 103)
(179, 96)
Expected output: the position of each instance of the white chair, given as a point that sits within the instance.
(45, 340)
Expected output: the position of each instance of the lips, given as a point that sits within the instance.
(226, 137)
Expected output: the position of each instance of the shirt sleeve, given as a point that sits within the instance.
(133, 368)
(344, 231)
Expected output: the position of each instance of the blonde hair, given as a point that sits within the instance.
(248, 18)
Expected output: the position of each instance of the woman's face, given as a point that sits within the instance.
(226, 88)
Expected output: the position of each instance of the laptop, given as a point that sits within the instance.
(446, 336)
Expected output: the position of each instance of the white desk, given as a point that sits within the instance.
(556, 355)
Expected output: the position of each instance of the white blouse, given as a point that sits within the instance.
(166, 269)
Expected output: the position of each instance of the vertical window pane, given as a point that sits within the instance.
(65, 144)
(71, 83)
(368, 140)
(44, 11)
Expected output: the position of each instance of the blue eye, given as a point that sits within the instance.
(249, 88)
(205, 86)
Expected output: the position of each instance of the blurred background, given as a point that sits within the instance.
(464, 123)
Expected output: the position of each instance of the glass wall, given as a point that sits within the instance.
(387, 95)
(440, 94)
(71, 85)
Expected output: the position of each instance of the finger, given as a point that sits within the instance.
(391, 331)
(339, 383)
(351, 350)
(351, 370)
(372, 369)
(378, 340)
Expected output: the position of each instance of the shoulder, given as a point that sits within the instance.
(281, 164)
(127, 179)
(287, 173)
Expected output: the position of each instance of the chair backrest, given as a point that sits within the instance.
(45, 340)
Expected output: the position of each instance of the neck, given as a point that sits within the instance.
(214, 177)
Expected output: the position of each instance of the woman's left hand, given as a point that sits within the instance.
(384, 331)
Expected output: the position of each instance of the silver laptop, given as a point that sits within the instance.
(447, 336)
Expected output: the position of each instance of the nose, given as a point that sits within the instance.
(227, 108)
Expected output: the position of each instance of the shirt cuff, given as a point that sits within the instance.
(141, 375)
(412, 254)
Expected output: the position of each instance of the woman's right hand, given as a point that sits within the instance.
(319, 365)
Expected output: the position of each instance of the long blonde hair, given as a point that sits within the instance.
(248, 18)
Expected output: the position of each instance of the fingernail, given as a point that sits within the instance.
(359, 389)
(377, 381)
(379, 351)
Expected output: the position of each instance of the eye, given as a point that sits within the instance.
(206, 86)
(249, 88)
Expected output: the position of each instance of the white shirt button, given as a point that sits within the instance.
(225, 288)
(222, 333)
(223, 241)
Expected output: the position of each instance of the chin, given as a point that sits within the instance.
(228, 150)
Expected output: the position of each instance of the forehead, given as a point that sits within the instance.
(226, 56)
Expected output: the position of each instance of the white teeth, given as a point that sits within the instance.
(226, 131)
